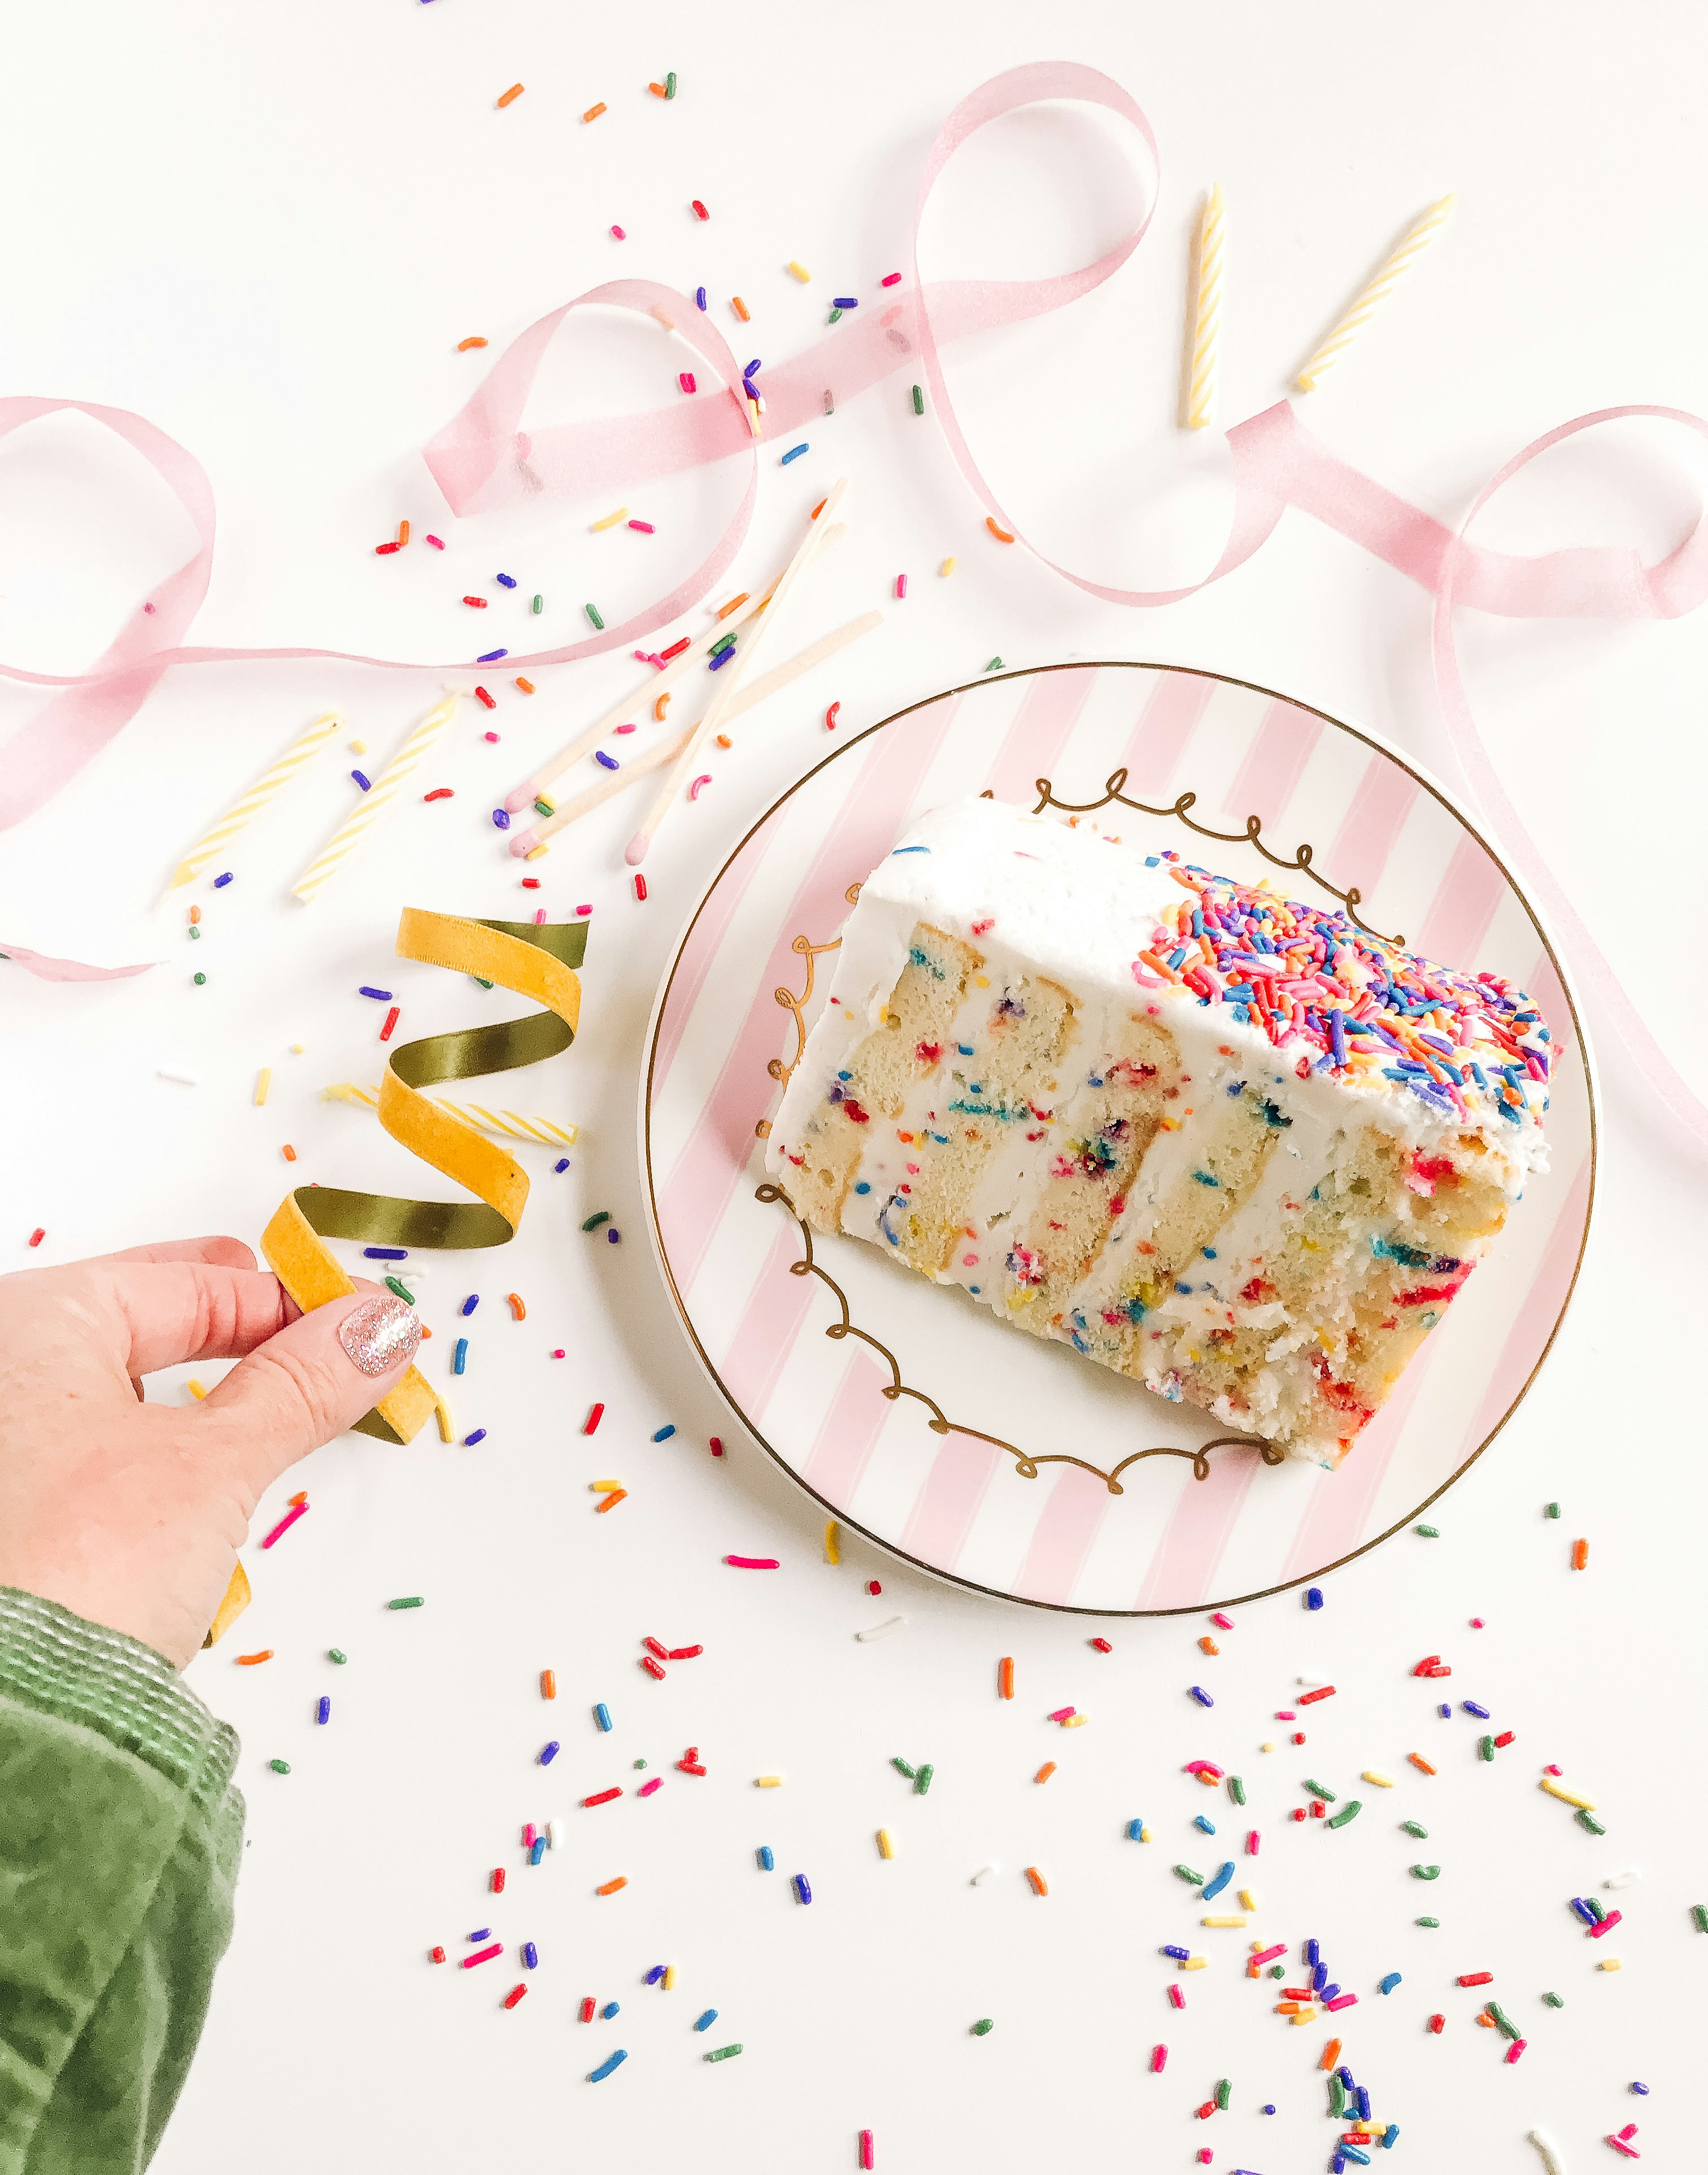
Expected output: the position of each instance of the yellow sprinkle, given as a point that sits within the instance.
(800, 270)
(767, 1781)
(1144, 1835)
(196, 1389)
(447, 1426)
(885, 1847)
(611, 520)
(358, 747)
(1305, 2016)
(948, 564)
(1076, 1722)
(1608, 1963)
(832, 1553)
(669, 1978)
(1235, 1921)
(1171, 1125)
(603, 1487)
(981, 981)
(297, 1048)
(1381, 1782)
(535, 854)
(263, 1080)
(1247, 1901)
(1195, 1963)
(1566, 1796)
(1269, 1747)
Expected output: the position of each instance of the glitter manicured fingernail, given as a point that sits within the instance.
(379, 1333)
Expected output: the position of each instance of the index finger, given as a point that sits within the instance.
(228, 1253)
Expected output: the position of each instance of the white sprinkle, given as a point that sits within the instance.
(1308, 1682)
(185, 1079)
(986, 1873)
(555, 1831)
(1622, 1879)
(1548, 2150)
(882, 1630)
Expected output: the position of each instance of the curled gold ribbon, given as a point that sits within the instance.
(535, 962)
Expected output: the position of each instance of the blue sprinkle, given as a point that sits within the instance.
(720, 661)
(385, 1253)
(803, 1888)
(383, 996)
(706, 2019)
(1642, 2091)
(793, 453)
(1351, 2152)
(324, 1712)
(654, 1975)
(1313, 1596)
(530, 1956)
(506, 581)
(757, 363)
(501, 817)
(471, 1302)
(865, 1186)
(460, 1358)
(480, 1934)
(1472, 1707)
(1135, 1831)
(611, 2062)
(699, 298)
(1199, 1694)
(609, 761)
(1329, 1992)
(1212, 1888)
(664, 1433)
(1209, 1253)
(220, 882)
(898, 849)
(548, 1753)
(602, 1715)
(1446, 1713)
(768, 1858)
(469, 1440)
(1387, 1985)
(1389, 2135)
(561, 1165)
(1583, 1910)
(1270, 2109)
(536, 1850)
(490, 656)
(1318, 1980)
(1208, 1826)
(1313, 1951)
(610, 2009)
(365, 784)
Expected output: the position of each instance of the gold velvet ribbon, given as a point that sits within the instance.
(536, 961)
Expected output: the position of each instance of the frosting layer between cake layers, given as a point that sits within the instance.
(1231, 1146)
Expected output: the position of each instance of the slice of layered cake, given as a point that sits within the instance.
(1236, 1148)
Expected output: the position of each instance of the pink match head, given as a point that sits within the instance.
(523, 797)
(522, 843)
(636, 850)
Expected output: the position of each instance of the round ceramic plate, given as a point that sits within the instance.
(914, 1415)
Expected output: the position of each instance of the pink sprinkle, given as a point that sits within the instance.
(889, 279)
(583, 910)
(491, 736)
(1346, 2001)
(901, 585)
(290, 1518)
(645, 527)
(481, 1956)
(1204, 2156)
(527, 1836)
(1628, 2132)
(1625, 2150)
(1268, 1956)
(753, 1563)
(1477, 1625)
(617, 234)
(1551, 1770)
(1159, 2056)
(621, 729)
(1062, 1713)
(1177, 1997)
(1605, 1925)
(1285, 1714)
(148, 607)
(1515, 2049)
(646, 1789)
(1226, 1622)
(538, 915)
(1203, 1767)
(866, 2159)
(437, 544)
(1254, 1842)
(558, 1354)
(704, 778)
(684, 378)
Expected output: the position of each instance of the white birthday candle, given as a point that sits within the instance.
(513, 1124)
(256, 799)
(1380, 286)
(374, 802)
(1207, 316)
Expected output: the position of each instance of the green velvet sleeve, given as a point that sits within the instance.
(119, 1838)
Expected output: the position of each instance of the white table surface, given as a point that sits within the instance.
(266, 230)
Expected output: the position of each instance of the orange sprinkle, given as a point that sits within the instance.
(1485, 2018)
(548, 1685)
(515, 91)
(617, 1496)
(425, 1331)
(740, 309)
(1418, 1760)
(1331, 2055)
(819, 508)
(1002, 536)
(593, 112)
(403, 532)
(1209, 1646)
(518, 1312)
(288, 1152)
(1005, 1678)
(526, 685)
(1287, 2009)
(474, 340)
(658, 707)
(724, 740)
(657, 90)
(1045, 1772)
(248, 1661)
(733, 604)
(1579, 1556)
(612, 1887)
(1040, 1887)
(195, 915)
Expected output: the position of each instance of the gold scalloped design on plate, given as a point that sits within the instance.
(812, 953)
(1025, 1463)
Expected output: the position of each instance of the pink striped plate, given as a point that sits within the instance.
(925, 1423)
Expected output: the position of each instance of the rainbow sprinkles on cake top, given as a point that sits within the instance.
(1238, 1148)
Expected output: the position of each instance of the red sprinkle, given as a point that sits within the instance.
(391, 1022)
(479, 603)
(1438, 2024)
(485, 698)
(435, 1955)
(688, 1767)
(753, 1563)
(676, 649)
(530, 883)
(1103, 1646)
(601, 1798)
(593, 1420)
(717, 1448)
(1503, 1740)
(441, 793)
(1309, 1699)
(38, 1234)
(515, 1995)
(1478, 1978)
(652, 1667)
(640, 885)
(384, 550)
(497, 1880)
(655, 1647)
(481, 1956)
(830, 717)
(687, 1654)
(700, 210)
(588, 2006)
(873, 1586)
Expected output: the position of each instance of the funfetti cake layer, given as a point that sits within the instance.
(1231, 1145)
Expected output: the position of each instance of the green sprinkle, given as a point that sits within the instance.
(1552, 1511)
(1485, 1745)
(1553, 2001)
(408, 1601)
(1277, 1971)
(902, 1767)
(199, 980)
(1236, 1789)
(406, 1296)
(1186, 1873)
(1698, 1911)
(481, 979)
(723, 2053)
(1317, 1791)
(1429, 1921)
(922, 1781)
(1224, 2090)
(835, 318)
(539, 604)
(1589, 1820)
(670, 84)
(1429, 1532)
(995, 665)
(918, 400)
(1504, 2020)
(193, 933)
(337, 1654)
(545, 807)
(724, 641)
(984, 2024)
(1349, 1811)
(280, 1766)
(1416, 1828)
(1337, 2096)
(591, 611)
(1426, 1871)
(640, 1763)
(593, 1223)
(1596, 1908)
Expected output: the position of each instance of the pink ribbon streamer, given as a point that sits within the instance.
(483, 461)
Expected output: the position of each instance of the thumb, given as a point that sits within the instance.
(313, 1379)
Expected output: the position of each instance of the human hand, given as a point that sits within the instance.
(129, 1514)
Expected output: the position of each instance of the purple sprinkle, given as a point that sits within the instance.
(548, 1753)
(500, 816)
(1313, 1596)
(469, 1440)
(365, 784)
(720, 661)
(751, 367)
(381, 996)
(492, 656)
(507, 582)
(530, 1956)
(613, 1236)
(1472, 1707)
(1199, 1694)
(1446, 1713)
(471, 1302)
(699, 298)
(844, 301)
(220, 882)
(562, 1164)
(609, 761)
